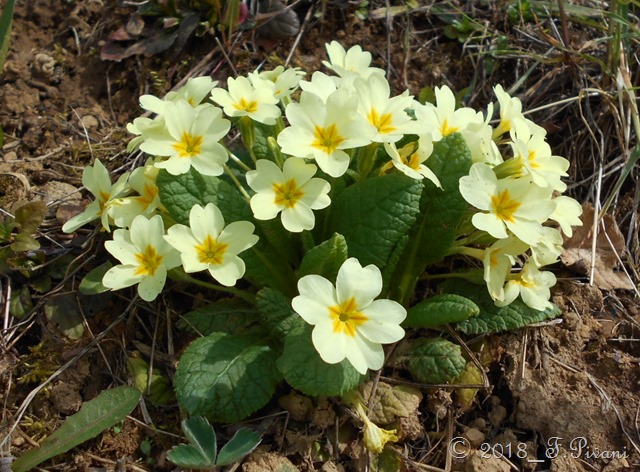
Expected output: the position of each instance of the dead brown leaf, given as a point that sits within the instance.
(578, 252)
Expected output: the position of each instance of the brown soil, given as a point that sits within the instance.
(61, 106)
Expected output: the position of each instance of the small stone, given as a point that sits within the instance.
(479, 423)
(90, 122)
(10, 156)
(474, 436)
(298, 406)
(18, 441)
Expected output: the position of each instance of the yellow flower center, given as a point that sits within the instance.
(381, 122)
(414, 161)
(189, 145)
(532, 160)
(287, 194)
(327, 139)
(504, 206)
(103, 198)
(346, 317)
(446, 129)
(244, 105)
(211, 251)
(148, 195)
(148, 261)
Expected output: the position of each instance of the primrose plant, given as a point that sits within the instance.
(315, 207)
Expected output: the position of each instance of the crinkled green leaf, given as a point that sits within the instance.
(392, 402)
(282, 241)
(179, 193)
(304, 370)
(493, 319)
(440, 309)
(325, 259)
(227, 316)
(441, 210)
(436, 361)
(260, 146)
(276, 312)
(394, 260)
(241, 444)
(373, 215)
(30, 215)
(95, 416)
(226, 377)
(92, 282)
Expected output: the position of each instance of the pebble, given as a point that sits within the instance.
(10, 156)
(90, 122)
(474, 436)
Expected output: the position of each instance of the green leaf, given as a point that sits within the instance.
(201, 436)
(325, 259)
(394, 260)
(179, 193)
(493, 319)
(226, 316)
(391, 402)
(64, 312)
(283, 241)
(441, 309)
(159, 391)
(436, 361)
(20, 304)
(95, 416)
(225, 377)
(441, 210)
(304, 370)
(277, 312)
(24, 242)
(260, 147)
(241, 444)
(92, 282)
(30, 215)
(5, 30)
(373, 215)
(202, 450)
(188, 457)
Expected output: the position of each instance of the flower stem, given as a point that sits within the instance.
(237, 182)
(468, 251)
(247, 297)
(238, 161)
(450, 275)
(367, 160)
(248, 133)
